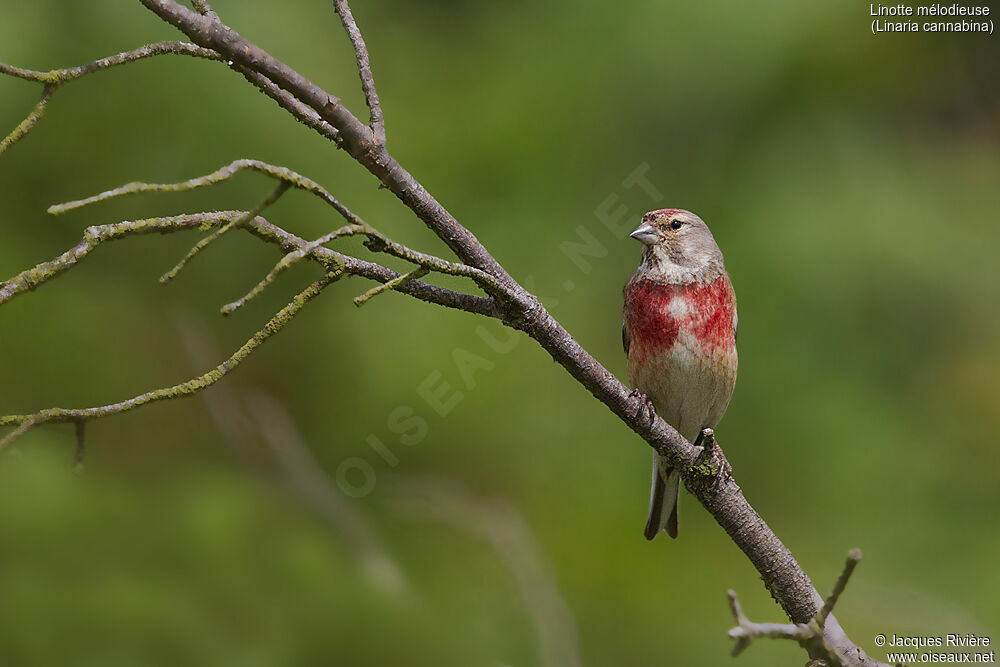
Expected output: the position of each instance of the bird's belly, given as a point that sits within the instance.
(683, 349)
(689, 387)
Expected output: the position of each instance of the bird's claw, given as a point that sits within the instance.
(648, 410)
(706, 440)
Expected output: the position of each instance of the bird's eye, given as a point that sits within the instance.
(676, 224)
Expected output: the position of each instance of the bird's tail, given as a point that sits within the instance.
(663, 499)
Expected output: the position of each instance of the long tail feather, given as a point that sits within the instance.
(663, 500)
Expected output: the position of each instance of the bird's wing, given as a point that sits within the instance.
(626, 338)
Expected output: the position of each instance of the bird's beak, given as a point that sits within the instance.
(645, 234)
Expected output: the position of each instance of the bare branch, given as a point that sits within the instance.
(378, 242)
(746, 630)
(282, 174)
(94, 236)
(353, 135)
(30, 279)
(376, 122)
(193, 386)
(60, 76)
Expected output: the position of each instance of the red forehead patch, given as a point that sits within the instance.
(663, 211)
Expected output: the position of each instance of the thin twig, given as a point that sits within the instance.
(376, 121)
(853, 558)
(359, 267)
(284, 264)
(23, 428)
(395, 283)
(94, 236)
(378, 242)
(301, 112)
(31, 119)
(202, 244)
(65, 74)
(809, 635)
(282, 174)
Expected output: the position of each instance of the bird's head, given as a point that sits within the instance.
(678, 246)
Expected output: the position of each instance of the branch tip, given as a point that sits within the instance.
(395, 283)
(853, 558)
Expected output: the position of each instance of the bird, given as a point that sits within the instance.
(679, 334)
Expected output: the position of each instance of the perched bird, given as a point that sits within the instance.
(679, 333)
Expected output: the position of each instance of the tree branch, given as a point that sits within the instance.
(377, 242)
(355, 136)
(281, 174)
(94, 236)
(64, 75)
(56, 77)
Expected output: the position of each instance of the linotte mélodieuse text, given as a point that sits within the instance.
(940, 18)
(968, 640)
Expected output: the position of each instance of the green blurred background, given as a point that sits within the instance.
(851, 180)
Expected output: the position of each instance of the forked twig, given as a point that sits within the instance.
(52, 79)
(809, 635)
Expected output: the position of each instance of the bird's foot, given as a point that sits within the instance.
(647, 410)
(706, 440)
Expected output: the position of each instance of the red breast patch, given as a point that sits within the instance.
(657, 313)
